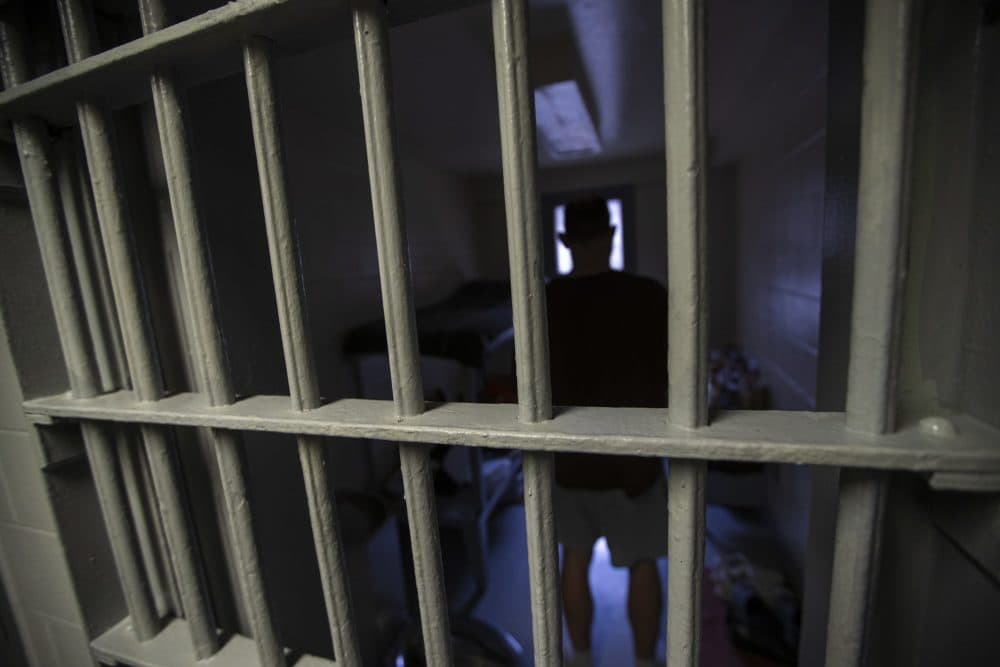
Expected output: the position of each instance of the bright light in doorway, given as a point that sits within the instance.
(564, 260)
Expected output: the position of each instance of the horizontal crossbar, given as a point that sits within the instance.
(203, 48)
(814, 438)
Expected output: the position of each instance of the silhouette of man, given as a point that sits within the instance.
(608, 347)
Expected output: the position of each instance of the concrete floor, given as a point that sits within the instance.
(506, 602)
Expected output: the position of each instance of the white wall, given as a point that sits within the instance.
(774, 134)
(33, 561)
(767, 99)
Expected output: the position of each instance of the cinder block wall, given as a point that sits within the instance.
(33, 564)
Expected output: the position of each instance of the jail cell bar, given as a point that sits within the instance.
(878, 282)
(371, 40)
(102, 326)
(30, 137)
(302, 383)
(687, 307)
(140, 350)
(524, 243)
(875, 319)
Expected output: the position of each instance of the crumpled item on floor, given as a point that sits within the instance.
(762, 613)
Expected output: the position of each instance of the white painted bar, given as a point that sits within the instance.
(543, 558)
(371, 42)
(684, 103)
(118, 245)
(86, 267)
(686, 549)
(807, 438)
(879, 253)
(210, 348)
(164, 556)
(861, 505)
(200, 45)
(186, 41)
(127, 455)
(103, 284)
(101, 327)
(879, 277)
(303, 385)
(137, 336)
(524, 232)
(32, 148)
(144, 368)
(531, 344)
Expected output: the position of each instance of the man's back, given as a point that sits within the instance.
(608, 347)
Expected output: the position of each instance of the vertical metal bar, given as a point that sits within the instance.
(101, 329)
(164, 557)
(372, 45)
(196, 269)
(881, 235)
(684, 102)
(103, 284)
(543, 558)
(879, 277)
(524, 232)
(132, 477)
(86, 269)
(302, 382)
(106, 333)
(30, 136)
(144, 369)
(137, 338)
(371, 42)
(524, 242)
(686, 549)
(860, 509)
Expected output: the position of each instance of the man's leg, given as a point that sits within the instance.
(578, 605)
(645, 602)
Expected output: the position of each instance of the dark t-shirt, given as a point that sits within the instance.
(608, 347)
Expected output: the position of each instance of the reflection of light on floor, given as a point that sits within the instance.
(611, 637)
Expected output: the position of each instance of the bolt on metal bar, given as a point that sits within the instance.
(879, 277)
(196, 269)
(137, 337)
(30, 136)
(684, 104)
(371, 42)
(524, 241)
(303, 385)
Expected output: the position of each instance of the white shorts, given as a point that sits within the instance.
(635, 528)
